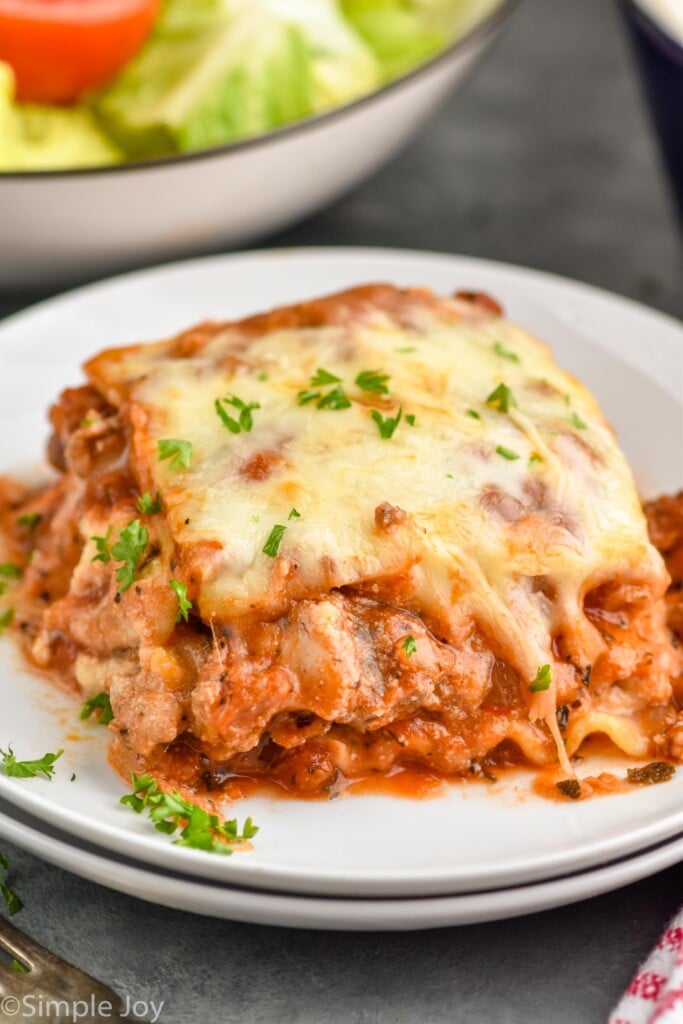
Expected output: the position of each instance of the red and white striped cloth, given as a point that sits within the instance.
(655, 996)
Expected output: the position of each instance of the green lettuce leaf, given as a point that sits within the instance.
(404, 33)
(218, 70)
(37, 138)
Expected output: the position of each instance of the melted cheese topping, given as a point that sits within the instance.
(510, 518)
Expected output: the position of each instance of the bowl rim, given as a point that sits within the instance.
(656, 32)
(480, 31)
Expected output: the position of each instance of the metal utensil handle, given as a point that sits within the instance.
(51, 979)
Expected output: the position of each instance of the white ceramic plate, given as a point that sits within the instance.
(262, 907)
(477, 836)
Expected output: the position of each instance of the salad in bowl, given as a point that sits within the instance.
(112, 81)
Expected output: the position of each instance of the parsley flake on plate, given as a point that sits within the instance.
(12, 901)
(170, 812)
(42, 766)
(577, 422)
(6, 619)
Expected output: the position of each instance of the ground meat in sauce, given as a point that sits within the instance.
(260, 465)
(387, 516)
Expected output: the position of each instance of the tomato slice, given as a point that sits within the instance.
(59, 49)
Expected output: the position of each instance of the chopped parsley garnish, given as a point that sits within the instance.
(6, 619)
(244, 421)
(505, 353)
(507, 453)
(577, 422)
(410, 419)
(99, 703)
(406, 349)
(30, 520)
(28, 769)
(322, 377)
(308, 395)
(409, 645)
(12, 901)
(294, 514)
(542, 679)
(334, 399)
(179, 452)
(9, 571)
(535, 457)
(19, 967)
(262, 375)
(272, 545)
(148, 506)
(304, 397)
(129, 549)
(87, 422)
(102, 545)
(184, 604)
(387, 424)
(501, 398)
(570, 788)
(374, 381)
(651, 774)
(473, 414)
(169, 812)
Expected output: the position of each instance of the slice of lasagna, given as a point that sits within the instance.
(376, 529)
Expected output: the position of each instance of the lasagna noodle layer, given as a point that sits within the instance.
(358, 599)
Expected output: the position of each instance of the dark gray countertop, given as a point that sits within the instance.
(545, 159)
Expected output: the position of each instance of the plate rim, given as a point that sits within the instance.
(326, 252)
(335, 913)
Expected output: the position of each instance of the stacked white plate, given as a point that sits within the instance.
(475, 852)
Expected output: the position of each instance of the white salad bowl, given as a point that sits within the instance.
(59, 225)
